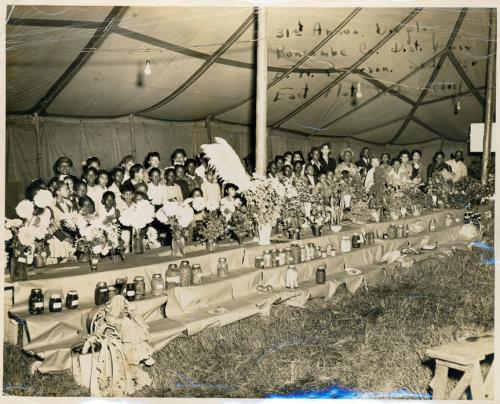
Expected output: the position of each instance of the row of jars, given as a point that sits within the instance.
(36, 303)
(293, 255)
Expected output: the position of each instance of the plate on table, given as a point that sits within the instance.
(429, 247)
(217, 310)
(353, 271)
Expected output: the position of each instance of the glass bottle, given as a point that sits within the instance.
(130, 294)
(35, 303)
(140, 288)
(185, 274)
(172, 276)
(157, 285)
(321, 274)
(222, 269)
(72, 300)
(55, 303)
(197, 275)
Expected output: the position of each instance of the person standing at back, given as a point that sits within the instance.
(314, 157)
(457, 165)
(326, 162)
(364, 162)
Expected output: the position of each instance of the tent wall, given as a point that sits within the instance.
(110, 140)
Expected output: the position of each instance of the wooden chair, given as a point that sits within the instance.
(466, 356)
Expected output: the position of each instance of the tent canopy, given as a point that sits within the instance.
(388, 75)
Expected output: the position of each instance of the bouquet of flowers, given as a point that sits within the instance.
(295, 201)
(241, 223)
(212, 227)
(178, 216)
(465, 191)
(319, 215)
(414, 198)
(361, 212)
(440, 187)
(265, 198)
(138, 215)
(94, 236)
(395, 203)
(151, 239)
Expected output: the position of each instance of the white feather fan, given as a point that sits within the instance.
(226, 163)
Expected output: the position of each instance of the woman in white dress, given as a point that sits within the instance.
(398, 175)
(347, 164)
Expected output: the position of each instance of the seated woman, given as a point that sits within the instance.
(347, 164)
(397, 176)
(309, 178)
(126, 164)
(417, 169)
(61, 244)
(438, 164)
(230, 202)
(297, 172)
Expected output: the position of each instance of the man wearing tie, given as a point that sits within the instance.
(315, 155)
(327, 163)
(364, 163)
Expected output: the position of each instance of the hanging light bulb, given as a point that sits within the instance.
(358, 90)
(458, 106)
(147, 69)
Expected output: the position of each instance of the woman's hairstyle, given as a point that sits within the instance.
(33, 188)
(58, 184)
(149, 156)
(298, 153)
(196, 190)
(394, 160)
(89, 170)
(404, 151)
(80, 183)
(127, 188)
(106, 195)
(142, 194)
(102, 172)
(168, 171)
(154, 170)
(135, 169)
(288, 153)
(91, 160)
(190, 161)
(270, 165)
(61, 160)
(279, 157)
(438, 153)
(117, 170)
(229, 186)
(416, 151)
(126, 160)
(385, 154)
(86, 199)
(177, 151)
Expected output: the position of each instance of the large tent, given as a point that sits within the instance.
(386, 77)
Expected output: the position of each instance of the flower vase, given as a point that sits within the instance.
(265, 233)
(18, 271)
(335, 228)
(94, 261)
(210, 245)
(316, 230)
(39, 260)
(137, 242)
(178, 246)
(294, 234)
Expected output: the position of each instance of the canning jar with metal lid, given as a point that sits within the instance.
(55, 303)
(72, 300)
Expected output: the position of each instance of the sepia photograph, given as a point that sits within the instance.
(249, 201)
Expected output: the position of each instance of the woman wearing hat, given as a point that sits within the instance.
(347, 164)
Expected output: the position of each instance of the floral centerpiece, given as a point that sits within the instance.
(265, 198)
(95, 236)
(27, 234)
(212, 228)
(318, 216)
(395, 203)
(179, 217)
(151, 239)
(241, 223)
(414, 198)
(440, 187)
(295, 202)
(138, 216)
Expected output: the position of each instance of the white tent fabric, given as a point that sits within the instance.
(81, 69)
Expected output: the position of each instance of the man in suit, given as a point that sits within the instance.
(327, 163)
(314, 160)
(364, 163)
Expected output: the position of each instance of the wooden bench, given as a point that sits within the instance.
(466, 356)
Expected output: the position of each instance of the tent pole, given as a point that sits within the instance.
(209, 128)
(261, 108)
(490, 92)
(132, 135)
(37, 139)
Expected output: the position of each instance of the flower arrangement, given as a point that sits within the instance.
(319, 215)
(414, 198)
(265, 197)
(151, 239)
(212, 227)
(241, 222)
(138, 215)
(464, 192)
(441, 186)
(177, 215)
(294, 215)
(94, 236)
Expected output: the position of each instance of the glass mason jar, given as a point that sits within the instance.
(197, 275)
(185, 274)
(35, 303)
(172, 276)
(101, 293)
(259, 262)
(72, 300)
(267, 259)
(345, 244)
(55, 303)
(157, 285)
(321, 274)
(130, 294)
(140, 288)
(222, 268)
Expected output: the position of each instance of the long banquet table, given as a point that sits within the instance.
(188, 310)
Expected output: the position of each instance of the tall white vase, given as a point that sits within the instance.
(265, 233)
